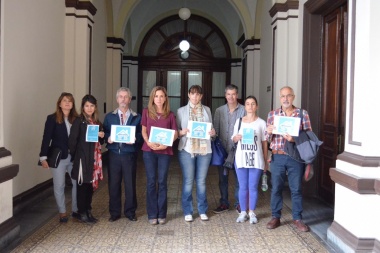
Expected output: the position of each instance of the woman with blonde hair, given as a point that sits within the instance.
(157, 156)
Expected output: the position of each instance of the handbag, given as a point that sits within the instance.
(53, 157)
(218, 152)
(229, 163)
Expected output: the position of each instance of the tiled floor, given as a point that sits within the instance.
(41, 231)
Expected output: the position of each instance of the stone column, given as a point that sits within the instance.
(356, 222)
(78, 47)
(9, 228)
(251, 53)
(114, 62)
(285, 48)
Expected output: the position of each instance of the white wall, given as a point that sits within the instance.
(32, 80)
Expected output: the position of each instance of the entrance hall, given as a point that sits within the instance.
(220, 234)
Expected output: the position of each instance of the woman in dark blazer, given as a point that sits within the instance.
(87, 156)
(56, 134)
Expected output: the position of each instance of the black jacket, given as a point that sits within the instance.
(55, 135)
(82, 150)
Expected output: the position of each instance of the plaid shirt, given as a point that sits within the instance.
(277, 142)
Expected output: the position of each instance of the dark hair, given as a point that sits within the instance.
(58, 110)
(196, 89)
(92, 100)
(251, 97)
(231, 87)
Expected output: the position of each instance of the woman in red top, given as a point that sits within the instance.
(157, 156)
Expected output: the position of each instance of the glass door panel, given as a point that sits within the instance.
(194, 77)
(149, 81)
(174, 89)
(218, 87)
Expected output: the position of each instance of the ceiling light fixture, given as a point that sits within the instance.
(184, 14)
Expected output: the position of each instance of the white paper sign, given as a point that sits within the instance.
(199, 130)
(123, 134)
(160, 135)
(92, 133)
(289, 125)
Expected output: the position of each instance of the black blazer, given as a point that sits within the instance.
(82, 150)
(55, 135)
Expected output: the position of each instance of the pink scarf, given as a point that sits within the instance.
(98, 172)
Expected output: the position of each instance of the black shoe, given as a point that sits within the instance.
(84, 218)
(131, 217)
(113, 218)
(75, 215)
(89, 214)
(221, 209)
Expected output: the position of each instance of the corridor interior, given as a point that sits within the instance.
(40, 230)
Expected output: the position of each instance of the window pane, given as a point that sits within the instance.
(175, 103)
(174, 83)
(145, 101)
(195, 77)
(218, 84)
(216, 102)
(149, 81)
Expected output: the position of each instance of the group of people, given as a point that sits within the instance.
(66, 130)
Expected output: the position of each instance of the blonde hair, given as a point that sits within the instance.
(152, 110)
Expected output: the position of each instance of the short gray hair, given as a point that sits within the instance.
(231, 87)
(124, 89)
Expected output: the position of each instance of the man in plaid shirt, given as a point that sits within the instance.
(283, 165)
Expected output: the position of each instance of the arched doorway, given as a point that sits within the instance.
(208, 62)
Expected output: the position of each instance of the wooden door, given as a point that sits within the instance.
(334, 52)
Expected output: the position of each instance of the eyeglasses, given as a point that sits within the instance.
(286, 96)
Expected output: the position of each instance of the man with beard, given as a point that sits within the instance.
(122, 157)
(282, 165)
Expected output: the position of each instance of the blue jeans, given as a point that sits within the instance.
(156, 167)
(194, 168)
(122, 167)
(248, 193)
(223, 187)
(279, 167)
(59, 174)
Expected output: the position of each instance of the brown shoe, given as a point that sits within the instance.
(273, 223)
(301, 226)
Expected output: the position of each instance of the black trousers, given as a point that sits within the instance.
(122, 167)
(84, 197)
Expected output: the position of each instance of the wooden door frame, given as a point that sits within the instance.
(314, 10)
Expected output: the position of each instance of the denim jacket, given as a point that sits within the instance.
(134, 119)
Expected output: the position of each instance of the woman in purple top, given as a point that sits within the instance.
(157, 156)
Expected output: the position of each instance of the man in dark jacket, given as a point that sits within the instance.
(122, 157)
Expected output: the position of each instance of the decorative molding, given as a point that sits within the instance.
(8, 172)
(114, 40)
(352, 78)
(355, 243)
(362, 161)
(81, 5)
(9, 231)
(240, 40)
(322, 6)
(4, 152)
(251, 42)
(283, 7)
(355, 183)
(130, 58)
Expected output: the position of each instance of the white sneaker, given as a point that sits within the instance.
(203, 216)
(188, 218)
(252, 218)
(242, 217)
